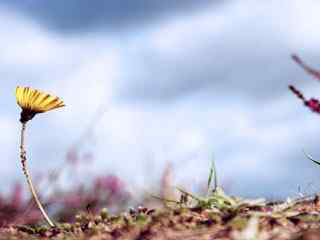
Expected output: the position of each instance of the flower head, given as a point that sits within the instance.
(33, 101)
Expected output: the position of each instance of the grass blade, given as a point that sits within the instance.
(164, 199)
(311, 158)
(212, 175)
(188, 194)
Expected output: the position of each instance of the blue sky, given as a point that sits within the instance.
(177, 81)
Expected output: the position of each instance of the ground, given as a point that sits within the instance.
(218, 217)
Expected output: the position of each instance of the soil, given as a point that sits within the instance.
(250, 220)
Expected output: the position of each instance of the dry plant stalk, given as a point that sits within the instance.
(23, 158)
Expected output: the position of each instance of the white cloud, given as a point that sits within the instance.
(303, 19)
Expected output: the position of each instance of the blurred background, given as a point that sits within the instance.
(159, 88)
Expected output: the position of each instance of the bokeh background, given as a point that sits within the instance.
(154, 83)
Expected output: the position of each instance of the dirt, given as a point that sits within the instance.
(250, 220)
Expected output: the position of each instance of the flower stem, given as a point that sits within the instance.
(23, 158)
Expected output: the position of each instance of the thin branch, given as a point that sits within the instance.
(297, 92)
(313, 72)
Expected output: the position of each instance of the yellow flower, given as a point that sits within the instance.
(33, 101)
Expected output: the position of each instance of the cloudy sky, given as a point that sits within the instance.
(166, 81)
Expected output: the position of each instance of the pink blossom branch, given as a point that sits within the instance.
(313, 104)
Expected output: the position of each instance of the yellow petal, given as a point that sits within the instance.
(36, 101)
